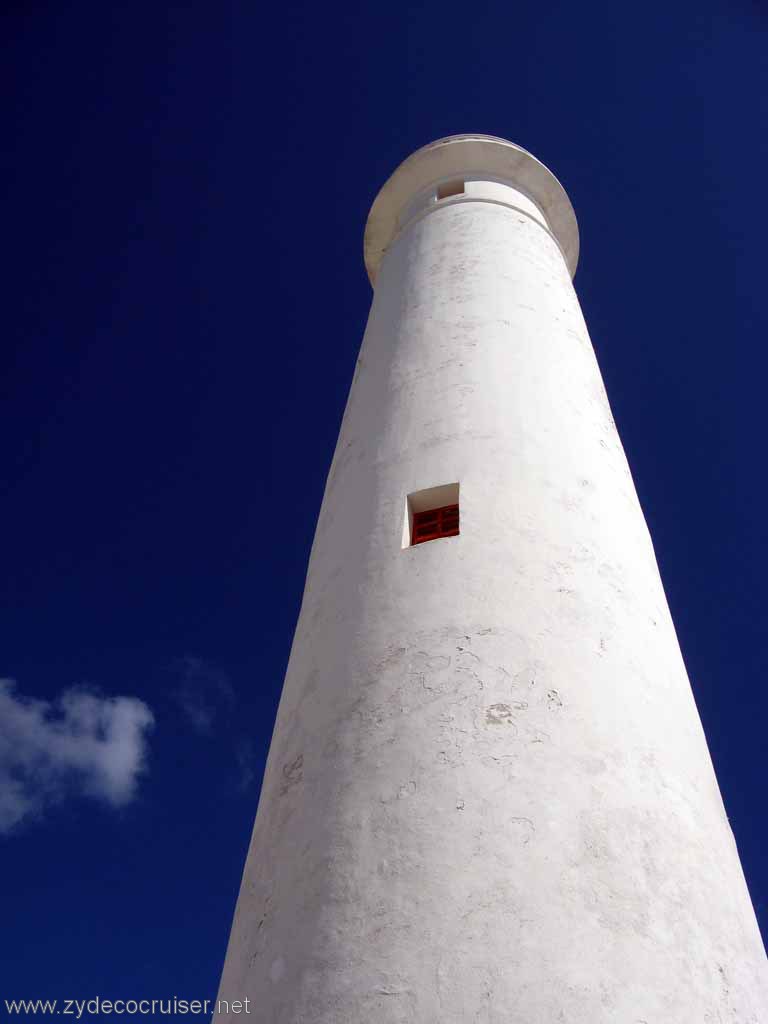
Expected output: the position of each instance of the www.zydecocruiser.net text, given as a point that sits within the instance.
(97, 1006)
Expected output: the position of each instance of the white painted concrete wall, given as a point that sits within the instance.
(489, 799)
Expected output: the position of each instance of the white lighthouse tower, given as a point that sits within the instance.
(489, 798)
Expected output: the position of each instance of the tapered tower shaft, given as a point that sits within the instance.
(489, 798)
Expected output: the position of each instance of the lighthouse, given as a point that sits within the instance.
(488, 798)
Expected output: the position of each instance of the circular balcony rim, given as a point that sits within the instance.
(469, 156)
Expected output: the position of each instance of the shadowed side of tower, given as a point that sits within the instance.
(488, 796)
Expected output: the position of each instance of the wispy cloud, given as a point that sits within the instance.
(244, 755)
(81, 744)
(208, 702)
(203, 694)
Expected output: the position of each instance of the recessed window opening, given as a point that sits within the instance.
(431, 514)
(450, 188)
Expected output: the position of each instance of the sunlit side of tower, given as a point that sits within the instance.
(488, 798)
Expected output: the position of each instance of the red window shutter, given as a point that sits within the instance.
(437, 522)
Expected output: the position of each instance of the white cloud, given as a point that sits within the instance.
(80, 744)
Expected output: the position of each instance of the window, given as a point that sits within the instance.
(438, 522)
(450, 188)
(431, 514)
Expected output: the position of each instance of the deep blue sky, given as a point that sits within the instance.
(184, 190)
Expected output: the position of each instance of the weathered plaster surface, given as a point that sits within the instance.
(489, 799)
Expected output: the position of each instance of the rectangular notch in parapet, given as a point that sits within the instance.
(450, 188)
(431, 514)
